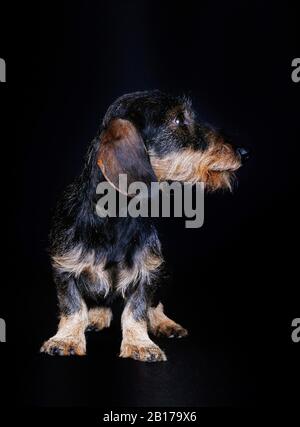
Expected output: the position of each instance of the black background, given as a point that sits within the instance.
(234, 281)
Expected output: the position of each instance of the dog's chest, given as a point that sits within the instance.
(101, 279)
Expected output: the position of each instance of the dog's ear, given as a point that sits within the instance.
(122, 151)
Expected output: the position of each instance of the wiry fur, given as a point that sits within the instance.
(149, 136)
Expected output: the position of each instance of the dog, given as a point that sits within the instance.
(149, 136)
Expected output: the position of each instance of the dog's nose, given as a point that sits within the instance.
(244, 153)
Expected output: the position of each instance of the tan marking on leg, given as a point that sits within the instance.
(160, 324)
(70, 338)
(136, 342)
(99, 318)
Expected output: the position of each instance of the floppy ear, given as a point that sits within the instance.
(122, 151)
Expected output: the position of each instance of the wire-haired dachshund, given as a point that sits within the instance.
(149, 136)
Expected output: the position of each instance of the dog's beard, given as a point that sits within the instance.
(219, 180)
(215, 166)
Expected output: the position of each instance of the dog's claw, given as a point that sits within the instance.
(58, 347)
(92, 328)
(151, 353)
(171, 331)
(55, 351)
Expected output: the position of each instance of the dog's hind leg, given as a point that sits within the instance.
(70, 338)
(160, 324)
(99, 318)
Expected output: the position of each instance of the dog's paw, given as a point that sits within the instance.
(63, 347)
(97, 326)
(170, 330)
(143, 353)
(99, 318)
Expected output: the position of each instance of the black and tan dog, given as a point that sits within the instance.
(148, 136)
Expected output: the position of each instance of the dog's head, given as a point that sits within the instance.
(152, 136)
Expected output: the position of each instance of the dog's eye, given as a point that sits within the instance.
(180, 120)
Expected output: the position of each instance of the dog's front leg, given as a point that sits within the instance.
(70, 337)
(136, 342)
